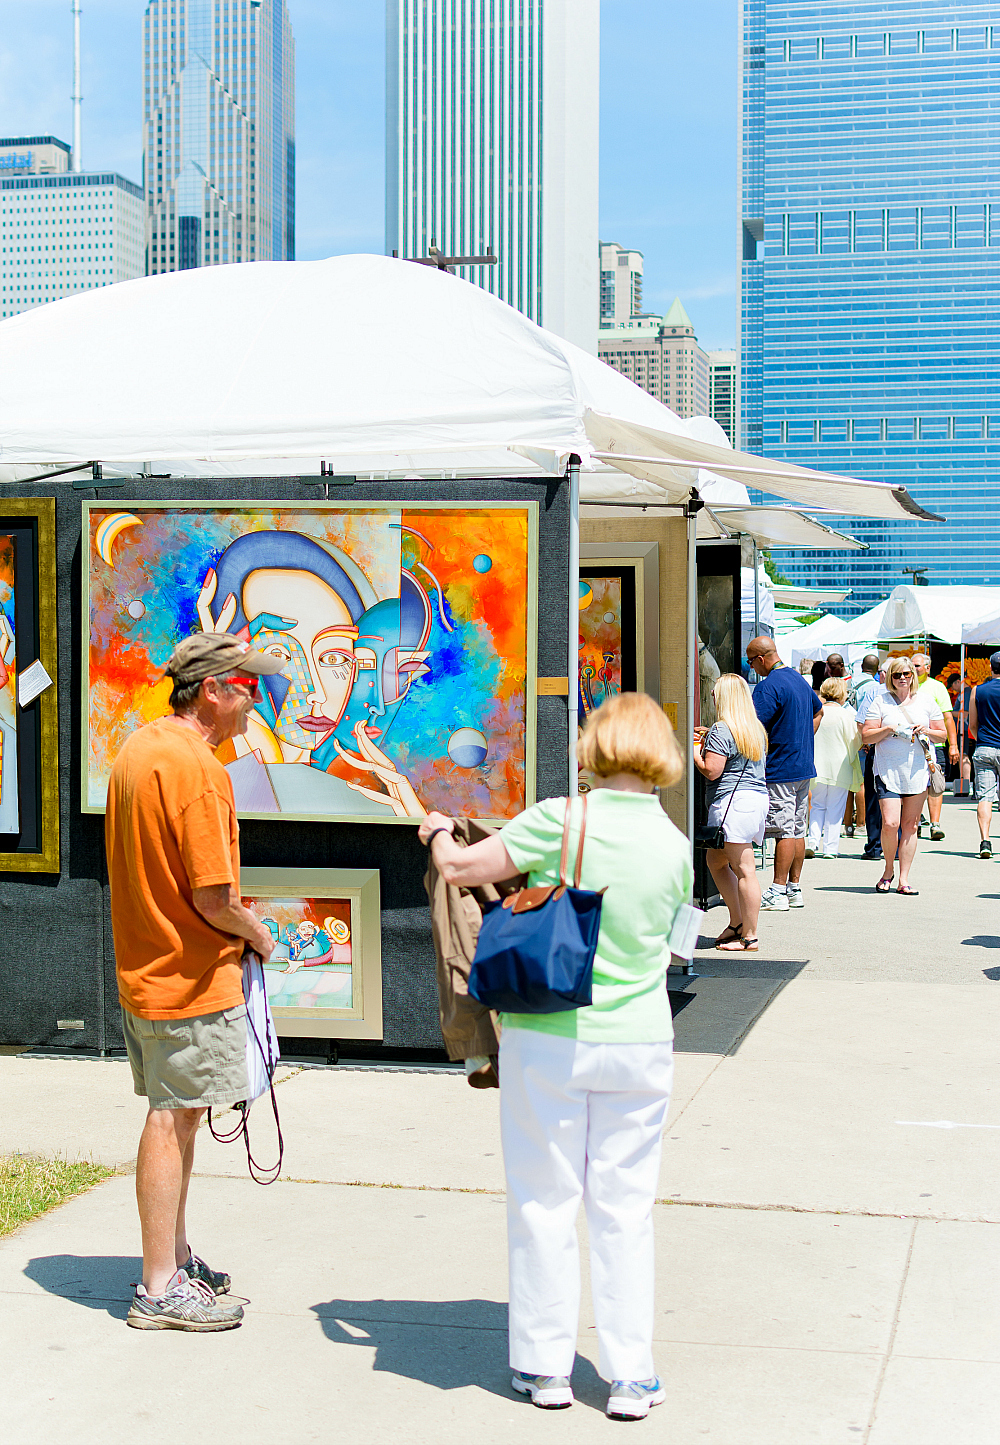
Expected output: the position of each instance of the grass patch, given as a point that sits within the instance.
(30, 1187)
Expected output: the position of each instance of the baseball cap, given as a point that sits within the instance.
(213, 654)
(995, 661)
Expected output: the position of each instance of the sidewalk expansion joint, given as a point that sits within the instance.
(833, 1213)
(887, 1353)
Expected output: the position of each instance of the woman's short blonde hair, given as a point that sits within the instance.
(834, 689)
(897, 664)
(630, 734)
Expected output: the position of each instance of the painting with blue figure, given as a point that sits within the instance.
(403, 637)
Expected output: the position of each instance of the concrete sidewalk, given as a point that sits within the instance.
(828, 1255)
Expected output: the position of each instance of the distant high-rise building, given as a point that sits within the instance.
(62, 231)
(723, 371)
(870, 226)
(621, 284)
(492, 144)
(661, 354)
(219, 133)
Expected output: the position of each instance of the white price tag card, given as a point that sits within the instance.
(684, 934)
(31, 683)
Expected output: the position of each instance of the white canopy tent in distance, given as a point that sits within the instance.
(367, 366)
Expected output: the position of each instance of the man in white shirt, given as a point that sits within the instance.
(868, 688)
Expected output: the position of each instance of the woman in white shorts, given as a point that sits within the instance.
(895, 722)
(731, 756)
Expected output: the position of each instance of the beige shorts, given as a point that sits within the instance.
(788, 813)
(189, 1063)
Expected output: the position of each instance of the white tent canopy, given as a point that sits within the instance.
(823, 629)
(372, 365)
(938, 612)
(984, 631)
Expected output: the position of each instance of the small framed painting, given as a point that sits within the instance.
(324, 978)
(619, 622)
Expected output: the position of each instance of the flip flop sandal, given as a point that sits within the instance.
(750, 944)
(884, 885)
(908, 892)
(734, 936)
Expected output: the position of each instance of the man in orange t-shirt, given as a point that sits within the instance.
(180, 932)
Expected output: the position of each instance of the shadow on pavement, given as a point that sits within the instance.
(450, 1344)
(993, 974)
(868, 889)
(728, 998)
(98, 1281)
(981, 940)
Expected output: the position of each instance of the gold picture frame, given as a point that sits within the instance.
(45, 858)
(132, 514)
(290, 893)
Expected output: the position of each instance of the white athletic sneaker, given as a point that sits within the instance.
(548, 1392)
(631, 1399)
(773, 902)
(794, 896)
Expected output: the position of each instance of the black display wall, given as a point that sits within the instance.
(55, 930)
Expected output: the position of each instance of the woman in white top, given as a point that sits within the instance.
(837, 770)
(895, 723)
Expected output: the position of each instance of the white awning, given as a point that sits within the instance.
(984, 631)
(939, 612)
(370, 365)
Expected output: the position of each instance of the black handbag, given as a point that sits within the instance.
(705, 836)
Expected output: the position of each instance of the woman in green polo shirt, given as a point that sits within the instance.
(584, 1094)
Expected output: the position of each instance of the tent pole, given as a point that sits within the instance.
(756, 592)
(573, 672)
(693, 508)
(962, 723)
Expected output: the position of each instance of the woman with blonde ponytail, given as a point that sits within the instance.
(731, 756)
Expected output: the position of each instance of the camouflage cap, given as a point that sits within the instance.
(215, 654)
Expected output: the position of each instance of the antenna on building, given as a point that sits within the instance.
(77, 98)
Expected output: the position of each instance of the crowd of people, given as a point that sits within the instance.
(809, 755)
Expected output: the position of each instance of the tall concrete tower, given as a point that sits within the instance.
(492, 142)
(219, 135)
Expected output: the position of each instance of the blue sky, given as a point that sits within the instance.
(668, 126)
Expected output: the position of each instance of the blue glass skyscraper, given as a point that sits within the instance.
(870, 237)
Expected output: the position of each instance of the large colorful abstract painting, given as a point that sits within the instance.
(9, 813)
(408, 636)
(324, 976)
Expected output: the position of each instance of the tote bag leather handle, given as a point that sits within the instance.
(564, 856)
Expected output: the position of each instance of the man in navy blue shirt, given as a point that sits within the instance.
(984, 727)
(790, 712)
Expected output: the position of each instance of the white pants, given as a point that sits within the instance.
(581, 1121)
(826, 814)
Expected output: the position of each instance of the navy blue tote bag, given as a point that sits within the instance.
(536, 949)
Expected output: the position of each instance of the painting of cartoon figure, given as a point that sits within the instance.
(404, 635)
(312, 965)
(9, 808)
